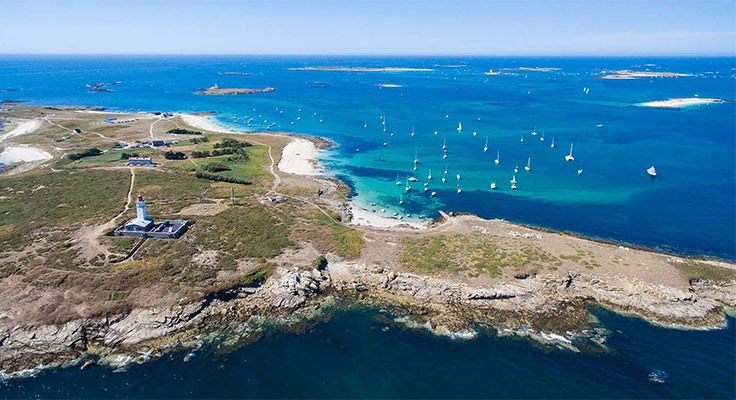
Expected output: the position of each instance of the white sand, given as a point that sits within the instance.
(204, 122)
(680, 102)
(298, 157)
(363, 217)
(14, 154)
(22, 129)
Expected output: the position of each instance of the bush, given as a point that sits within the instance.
(231, 143)
(214, 177)
(200, 154)
(203, 139)
(215, 167)
(174, 155)
(125, 155)
(239, 156)
(179, 131)
(87, 153)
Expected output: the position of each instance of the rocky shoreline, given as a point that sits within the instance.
(547, 309)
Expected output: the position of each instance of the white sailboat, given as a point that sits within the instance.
(398, 181)
(475, 133)
(498, 157)
(436, 133)
(553, 143)
(458, 177)
(522, 139)
(444, 144)
(401, 199)
(541, 139)
(407, 187)
(516, 169)
(416, 159)
(528, 165)
(652, 172)
(513, 179)
(569, 157)
(413, 179)
(459, 190)
(513, 186)
(459, 126)
(365, 124)
(493, 185)
(433, 194)
(429, 176)
(485, 148)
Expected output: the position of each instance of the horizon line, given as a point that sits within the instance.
(574, 55)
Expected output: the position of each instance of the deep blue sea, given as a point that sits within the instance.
(689, 208)
(355, 356)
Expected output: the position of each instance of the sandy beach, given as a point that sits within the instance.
(298, 157)
(363, 217)
(203, 122)
(680, 102)
(21, 129)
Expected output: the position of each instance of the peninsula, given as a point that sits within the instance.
(269, 242)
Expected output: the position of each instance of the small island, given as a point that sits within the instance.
(218, 91)
(235, 73)
(389, 85)
(681, 102)
(535, 69)
(629, 74)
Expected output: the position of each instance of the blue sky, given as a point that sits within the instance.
(503, 27)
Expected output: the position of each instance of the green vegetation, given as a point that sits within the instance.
(473, 254)
(330, 236)
(174, 155)
(168, 193)
(203, 139)
(215, 166)
(86, 153)
(219, 178)
(51, 200)
(696, 270)
(245, 232)
(180, 131)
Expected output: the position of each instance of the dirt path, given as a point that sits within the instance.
(72, 130)
(150, 130)
(87, 241)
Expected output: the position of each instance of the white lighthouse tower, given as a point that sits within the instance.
(141, 222)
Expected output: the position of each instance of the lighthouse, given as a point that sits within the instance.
(141, 222)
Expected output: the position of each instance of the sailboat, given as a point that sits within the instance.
(569, 157)
(413, 179)
(493, 185)
(498, 157)
(444, 154)
(541, 139)
(444, 144)
(458, 177)
(534, 132)
(398, 181)
(459, 127)
(433, 194)
(513, 186)
(416, 159)
(412, 131)
(485, 149)
(522, 139)
(436, 133)
(459, 190)
(580, 170)
(553, 143)
(429, 176)
(407, 188)
(475, 133)
(516, 169)
(365, 124)
(401, 199)
(652, 172)
(513, 179)
(528, 165)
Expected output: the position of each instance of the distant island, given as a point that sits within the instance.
(389, 85)
(629, 74)
(360, 69)
(235, 73)
(218, 91)
(681, 102)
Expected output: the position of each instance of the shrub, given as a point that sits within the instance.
(215, 167)
(179, 131)
(174, 155)
(87, 153)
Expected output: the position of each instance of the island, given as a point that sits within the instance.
(360, 69)
(537, 69)
(235, 73)
(630, 74)
(131, 241)
(681, 102)
(218, 91)
(389, 85)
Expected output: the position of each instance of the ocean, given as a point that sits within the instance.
(361, 353)
(688, 208)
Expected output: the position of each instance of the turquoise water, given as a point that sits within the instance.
(354, 356)
(689, 208)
